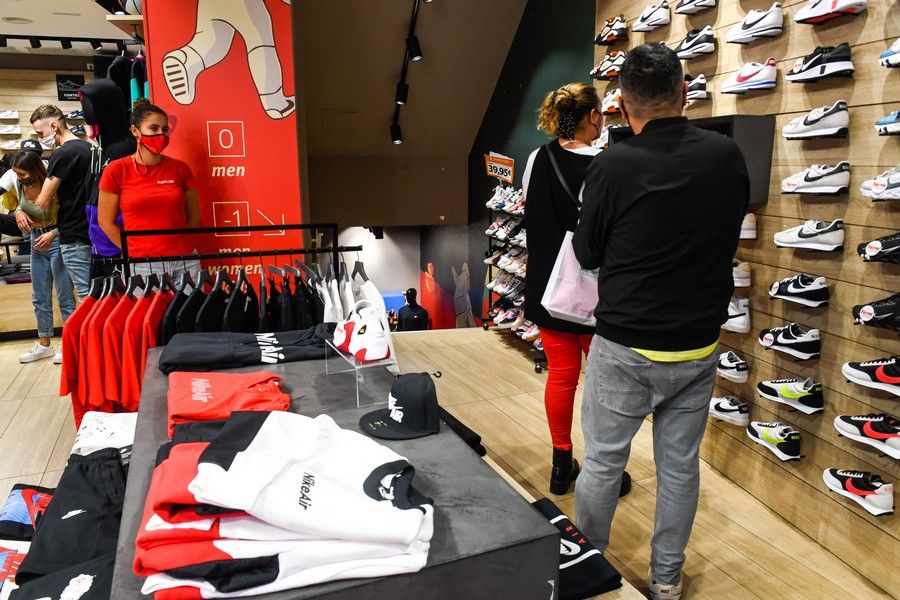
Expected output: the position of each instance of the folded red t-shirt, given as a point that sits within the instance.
(210, 396)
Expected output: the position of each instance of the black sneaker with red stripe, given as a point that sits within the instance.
(866, 489)
(879, 374)
(882, 432)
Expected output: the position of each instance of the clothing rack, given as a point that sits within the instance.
(334, 250)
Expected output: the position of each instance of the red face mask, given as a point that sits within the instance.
(154, 143)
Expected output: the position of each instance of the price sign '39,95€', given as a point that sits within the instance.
(499, 166)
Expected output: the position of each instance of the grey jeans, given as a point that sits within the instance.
(621, 388)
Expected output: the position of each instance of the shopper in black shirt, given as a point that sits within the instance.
(412, 316)
(571, 115)
(69, 166)
(661, 218)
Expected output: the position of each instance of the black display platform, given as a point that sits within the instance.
(488, 541)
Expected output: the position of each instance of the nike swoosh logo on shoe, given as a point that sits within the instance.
(747, 25)
(882, 376)
(743, 78)
(876, 435)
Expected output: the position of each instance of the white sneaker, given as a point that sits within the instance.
(816, 11)
(57, 358)
(665, 591)
(757, 24)
(819, 179)
(825, 121)
(652, 17)
(883, 187)
(740, 272)
(9, 115)
(10, 130)
(813, 235)
(37, 352)
(731, 410)
(738, 316)
(752, 76)
(748, 227)
(732, 367)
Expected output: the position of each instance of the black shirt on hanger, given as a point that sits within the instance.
(170, 318)
(241, 310)
(286, 318)
(301, 305)
(272, 306)
(265, 324)
(188, 313)
(212, 313)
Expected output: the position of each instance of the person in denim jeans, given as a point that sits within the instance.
(47, 266)
(69, 167)
(660, 220)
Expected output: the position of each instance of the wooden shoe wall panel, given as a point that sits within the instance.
(795, 490)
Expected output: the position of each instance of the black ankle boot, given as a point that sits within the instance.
(565, 471)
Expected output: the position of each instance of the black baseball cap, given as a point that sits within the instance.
(412, 410)
(32, 145)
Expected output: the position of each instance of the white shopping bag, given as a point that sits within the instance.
(571, 293)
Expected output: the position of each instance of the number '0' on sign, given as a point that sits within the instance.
(501, 167)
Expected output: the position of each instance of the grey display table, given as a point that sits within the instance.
(488, 541)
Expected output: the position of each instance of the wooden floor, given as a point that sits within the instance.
(16, 309)
(739, 548)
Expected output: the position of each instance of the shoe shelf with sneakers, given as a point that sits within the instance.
(507, 261)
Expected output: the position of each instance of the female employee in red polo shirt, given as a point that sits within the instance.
(153, 191)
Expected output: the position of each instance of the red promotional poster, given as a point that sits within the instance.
(224, 71)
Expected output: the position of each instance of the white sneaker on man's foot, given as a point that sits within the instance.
(665, 591)
(57, 358)
(37, 352)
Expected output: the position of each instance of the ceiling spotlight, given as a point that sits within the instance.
(66, 44)
(2, 41)
(35, 42)
(96, 45)
(427, 1)
(402, 93)
(396, 136)
(413, 48)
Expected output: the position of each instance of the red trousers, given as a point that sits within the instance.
(563, 352)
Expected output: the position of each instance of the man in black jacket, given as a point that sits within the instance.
(660, 218)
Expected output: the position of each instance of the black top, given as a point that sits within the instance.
(412, 318)
(287, 314)
(212, 312)
(661, 219)
(187, 315)
(170, 319)
(304, 316)
(241, 310)
(549, 213)
(70, 163)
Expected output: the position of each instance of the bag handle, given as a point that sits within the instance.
(559, 175)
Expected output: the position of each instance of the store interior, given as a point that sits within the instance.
(300, 125)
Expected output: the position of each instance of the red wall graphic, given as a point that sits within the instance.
(224, 70)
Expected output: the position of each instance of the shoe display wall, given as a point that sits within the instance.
(812, 333)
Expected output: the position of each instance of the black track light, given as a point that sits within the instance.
(402, 93)
(413, 48)
(96, 45)
(2, 41)
(396, 136)
(66, 44)
(120, 46)
(35, 42)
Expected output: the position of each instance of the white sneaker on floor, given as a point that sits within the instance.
(37, 352)
(665, 591)
(57, 358)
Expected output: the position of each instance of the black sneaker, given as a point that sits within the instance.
(804, 289)
(880, 313)
(792, 339)
(697, 87)
(696, 43)
(866, 489)
(783, 440)
(884, 249)
(823, 62)
(78, 130)
(75, 115)
(879, 374)
(803, 394)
